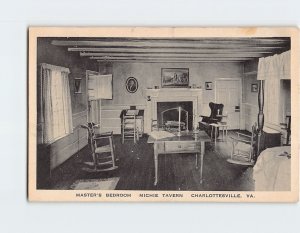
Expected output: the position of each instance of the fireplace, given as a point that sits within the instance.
(157, 99)
(169, 111)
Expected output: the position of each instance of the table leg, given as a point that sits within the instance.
(155, 163)
(223, 133)
(202, 149)
(196, 160)
(216, 136)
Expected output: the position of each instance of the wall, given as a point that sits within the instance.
(149, 75)
(250, 99)
(64, 148)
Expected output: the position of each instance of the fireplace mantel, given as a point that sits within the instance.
(173, 92)
(171, 95)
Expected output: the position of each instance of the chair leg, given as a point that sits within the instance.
(223, 134)
(94, 160)
(122, 132)
(112, 151)
(233, 149)
(216, 136)
(137, 134)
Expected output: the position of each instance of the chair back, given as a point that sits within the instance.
(216, 109)
(90, 127)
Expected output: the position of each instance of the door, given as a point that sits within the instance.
(228, 92)
(99, 87)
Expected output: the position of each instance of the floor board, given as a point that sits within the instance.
(176, 172)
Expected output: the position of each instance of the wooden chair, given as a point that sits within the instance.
(129, 129)
(214, 118)
(154, 125)
(287, 127)
(243, 148)
(103, 150)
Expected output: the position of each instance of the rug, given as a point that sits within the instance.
(96, 184)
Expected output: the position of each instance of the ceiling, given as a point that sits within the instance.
(174, 50)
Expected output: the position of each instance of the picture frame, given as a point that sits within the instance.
(175, 77)
(208, 85)
(131, 84)
(77, 86)
(254, 87)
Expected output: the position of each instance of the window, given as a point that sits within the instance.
(56, 102)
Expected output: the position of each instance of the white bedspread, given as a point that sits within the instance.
(272, 171)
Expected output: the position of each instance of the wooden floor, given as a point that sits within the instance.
(176, 172)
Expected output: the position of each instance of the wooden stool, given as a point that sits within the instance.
(221, 126)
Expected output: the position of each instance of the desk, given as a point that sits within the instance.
(188, 142)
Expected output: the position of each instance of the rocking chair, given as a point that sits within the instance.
(102, 148)
(243, 148)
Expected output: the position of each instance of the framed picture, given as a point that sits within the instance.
(77, 85)
(254, 87)
(131, 85)
(174, 77)
(208, 86)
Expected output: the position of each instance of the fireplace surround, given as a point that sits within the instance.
(155, 96)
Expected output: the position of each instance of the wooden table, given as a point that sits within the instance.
(188, 142)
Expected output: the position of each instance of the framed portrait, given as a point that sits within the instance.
(254, 87)
(208, 85)
(174, 77)
(131, 85)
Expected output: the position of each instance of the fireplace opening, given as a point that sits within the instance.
(168, 112)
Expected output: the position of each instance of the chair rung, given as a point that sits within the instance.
(106, 157)
(104, 163)
(89, 163)
(99, 170)
(103, 149)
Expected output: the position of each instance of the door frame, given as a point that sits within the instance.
(87, 74)
(240, 96)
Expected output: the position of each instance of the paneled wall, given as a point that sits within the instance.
(64, 148)
(110, 117)
(149, 75)
(250, 99)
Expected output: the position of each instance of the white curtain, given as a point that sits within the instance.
(57, 111)
(273, 69)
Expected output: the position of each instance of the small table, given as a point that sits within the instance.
(220, 125)
(188, 142)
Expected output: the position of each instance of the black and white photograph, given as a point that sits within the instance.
(193, 117)
(208, 85)
(131, 84)
(174, 77)
(254, 87)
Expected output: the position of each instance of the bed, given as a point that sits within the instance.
(272, 171)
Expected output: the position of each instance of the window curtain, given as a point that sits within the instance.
(272, 70)
(57, 111)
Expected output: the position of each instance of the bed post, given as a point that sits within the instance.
(260, 117)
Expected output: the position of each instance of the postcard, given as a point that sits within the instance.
(166, 114)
